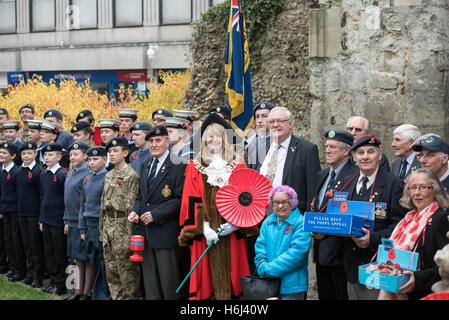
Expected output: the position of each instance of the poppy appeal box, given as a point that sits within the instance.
(387, 272)
(342, 217)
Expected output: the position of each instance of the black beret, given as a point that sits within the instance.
(265, 105)
(53, 113)
(117, 141)
(97, 151)
(83, 114)
(163, 112)
(10, 146)
(366, 141)
(224, 110)
(52, 147)
(340, 135)
(141, 125)
(80, 126)
(157, 131)
(432, 143)
(79, 146)
(3, 111)
(28, 145)
(27, 105)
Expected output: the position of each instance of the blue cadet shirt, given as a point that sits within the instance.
(8, 185)
(29, 189)
(52, 196)
(65, 139)
(72, 192)
(89, 212)
(138, 157)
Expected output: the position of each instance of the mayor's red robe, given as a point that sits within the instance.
(228, 259)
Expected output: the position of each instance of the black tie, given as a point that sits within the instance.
(331, 181)
(152, 175)
(364, 186)
(403, 167)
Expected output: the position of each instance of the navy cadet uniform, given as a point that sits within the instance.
(4, 268)
(36, 125)
(113, 125)
(328, 251)
(88, 222)
(76, 248)
(28, 195)
(65, 139)
(190, 116)
(129, 113)
(179, 124)
(8, 209)
(435, 143)
(83, 125)
(141, 154)
(384, 189)
(14, 125)
(55, 129)
(160, 193)
(51, 217)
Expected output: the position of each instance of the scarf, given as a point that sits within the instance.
(406, 234)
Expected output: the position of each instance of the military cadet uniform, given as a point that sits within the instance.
(65, 139)
(54, 128)
(28, 195)
(161, 115)
(88, 223)
(129, 113)
(142, 154)
(83, 125)
(23, 135)
(113, 125)
(3, 112)
(14, 125)
(119, 193)
(186, 151)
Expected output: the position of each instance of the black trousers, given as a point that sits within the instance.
(331, 282)
(14, 244)
(33, 245)
(55, 248)
(3, 257)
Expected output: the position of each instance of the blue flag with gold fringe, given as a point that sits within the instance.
(238, 71)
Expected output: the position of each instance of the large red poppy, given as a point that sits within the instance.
(243, 201)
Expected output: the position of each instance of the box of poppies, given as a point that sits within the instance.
(387, 272)
(342, 217)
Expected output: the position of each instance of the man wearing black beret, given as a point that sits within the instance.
(159, 115)
(372, 183)
(328, 249)
(156, 210)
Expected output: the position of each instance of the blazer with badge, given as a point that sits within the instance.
(163, 201)
(387, 191)
(396, 166)
(329, 250)
(300, 170)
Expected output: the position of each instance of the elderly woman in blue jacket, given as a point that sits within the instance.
(282, 248)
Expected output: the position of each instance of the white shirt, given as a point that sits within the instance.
(30, 166)
(9, 167)
(370, 180)
(54, 168)
(445, 175)
(282, 155)
(160, 160)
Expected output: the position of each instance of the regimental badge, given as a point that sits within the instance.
(76, 146)
(50, 113)
(137, 126)
(94, 152)
(158, 131)
(159, 111)
(166, 192)
(5, 145)
(81, 115)
(48, 148)
(30, 145)
(75, 128)
(114, 142)
(331, 134)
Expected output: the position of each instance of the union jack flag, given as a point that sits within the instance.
(238, 70)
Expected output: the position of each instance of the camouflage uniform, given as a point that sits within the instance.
(119, 194)
(23, 135)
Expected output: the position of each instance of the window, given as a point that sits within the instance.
(176, 11)
(83, 14)
(43, 15)
(7, 16)
(128, 13)
(215, 2)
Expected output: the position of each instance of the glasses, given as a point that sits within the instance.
(280, 121)
(420, 188)
(283, 202)
(354, 129)
(158, 120)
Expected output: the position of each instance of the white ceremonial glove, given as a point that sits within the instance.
(227, 229)
(210, 234)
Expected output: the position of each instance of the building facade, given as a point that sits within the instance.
(106, 41)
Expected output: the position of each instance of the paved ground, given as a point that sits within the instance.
(312, 294)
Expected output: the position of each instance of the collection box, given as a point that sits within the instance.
(399, 260)
(342, 217)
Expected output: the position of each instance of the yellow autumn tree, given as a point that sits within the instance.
(70, 97)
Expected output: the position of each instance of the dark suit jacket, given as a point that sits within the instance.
(300, 170)
(329, 250)
(163, 201)
(387, 188)
(254, 149)
(396, 166)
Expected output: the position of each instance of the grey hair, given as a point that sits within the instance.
(441, 196)
(408, 132)
(367, 124)
(287, 112)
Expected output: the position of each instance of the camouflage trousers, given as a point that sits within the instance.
(122, 274)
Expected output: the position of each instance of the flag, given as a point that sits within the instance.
(238, 71)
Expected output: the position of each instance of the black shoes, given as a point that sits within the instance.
(16, 278)
(85, 297)
(73, 297)
(36, 283)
